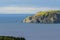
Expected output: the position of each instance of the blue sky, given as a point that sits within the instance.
(35, 3)
(27, 6)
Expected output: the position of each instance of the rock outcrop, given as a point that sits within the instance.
(51, 16)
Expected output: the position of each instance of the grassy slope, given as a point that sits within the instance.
(41, 13)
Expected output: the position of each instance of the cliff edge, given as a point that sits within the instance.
(51, 16)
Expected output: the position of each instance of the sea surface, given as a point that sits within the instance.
(11, 25)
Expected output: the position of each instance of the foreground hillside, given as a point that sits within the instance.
(10, 38)
(51, 16)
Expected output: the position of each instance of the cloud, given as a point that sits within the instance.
(24, 10)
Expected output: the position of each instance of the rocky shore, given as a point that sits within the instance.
(50, 16)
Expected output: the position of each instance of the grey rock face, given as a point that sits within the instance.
(51, 17)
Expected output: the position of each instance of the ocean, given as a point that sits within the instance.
(10, 25)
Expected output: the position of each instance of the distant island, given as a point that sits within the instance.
(50, 16)
(11, 38)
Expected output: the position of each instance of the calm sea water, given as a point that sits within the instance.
(12, 18)
(10, 25)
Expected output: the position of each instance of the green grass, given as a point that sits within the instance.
(41, 13)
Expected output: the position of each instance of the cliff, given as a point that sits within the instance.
(51, 16)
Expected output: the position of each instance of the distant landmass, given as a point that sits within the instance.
(11, 38)
(50, 16)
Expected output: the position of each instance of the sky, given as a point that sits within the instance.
(27, 6)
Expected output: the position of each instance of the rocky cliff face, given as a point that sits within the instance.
(52, 16)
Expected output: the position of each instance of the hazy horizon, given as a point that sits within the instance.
(27, 6)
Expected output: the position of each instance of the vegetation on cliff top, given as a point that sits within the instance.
(11, 38)
(41, 13)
